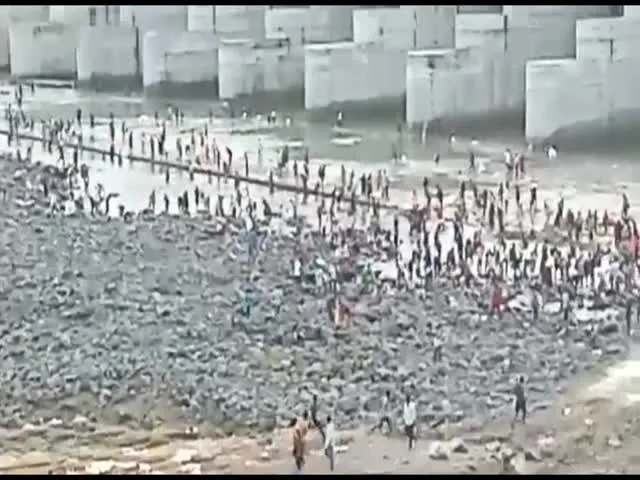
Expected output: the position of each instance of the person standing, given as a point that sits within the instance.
(384, 413)
(409, 417)
(329, 442)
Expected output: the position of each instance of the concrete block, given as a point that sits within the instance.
(448, 85)
(249, 68)
(563, 94)
(201, 18)
(8, 13)
(108, 58)
(352, 73)
(406, 27)
(240, 21)
(157, 18)
(423, 105)
(180, 62)
(290, 22)
(435, 25)
(607, 38)
(495, 9)
(551, 28)
(330, 23)
(43, 49)
(486, 34)
(632, 10)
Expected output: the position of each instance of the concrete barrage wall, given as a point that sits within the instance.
(107, 57)
(406, 27)
(447, 85)
(597, 90)
(9, 13)
(250, 68)
(159, 18)
(496, 9)
(550, 29)
(562, 93)
(172, 61)
(290, 22)
(607, 38)
(201, 18)
(240, 21)
(330, 23)
(338, 73)
(43, 49)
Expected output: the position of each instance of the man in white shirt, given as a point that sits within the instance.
(409, 417)
(329, 442)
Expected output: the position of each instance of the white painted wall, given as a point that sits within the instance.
(351, 72)
(42, 49)
(106, 51)
(240, 21)
(201, 18)
(8, 13)
(179, 57)
(247, 67)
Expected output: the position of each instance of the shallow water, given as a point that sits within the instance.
(586, 179)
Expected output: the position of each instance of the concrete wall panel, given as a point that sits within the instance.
(435, 25)
(240, 21)
(15, 13)
(551, 28)
(290, 22)
(42, 49)
(632, 10)
(180, 58)
(563, 93)
(250, 68)
(495, 9)
(607, 37)
(351, 72)
(234, 60)
(107, 57)
(8, 13)
(330, 23)
(425, 70)
(201, 18)
(158, 17)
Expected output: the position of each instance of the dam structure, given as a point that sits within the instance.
(484, 75)
(591, 92)
(370, 69)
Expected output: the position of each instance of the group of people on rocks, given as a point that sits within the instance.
(466, 237)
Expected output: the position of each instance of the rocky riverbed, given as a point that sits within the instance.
(138, 321)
